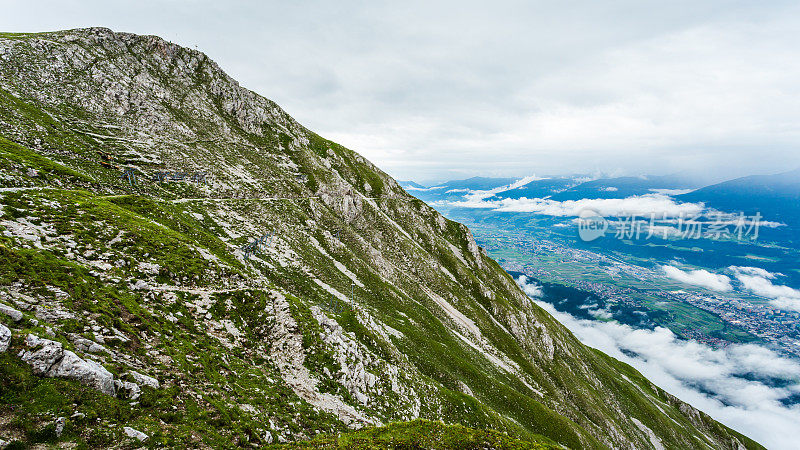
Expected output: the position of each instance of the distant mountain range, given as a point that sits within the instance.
(776, 197)
(410, 185)
(454, 190)
(478, 183)
(538, 188)
(622, 187)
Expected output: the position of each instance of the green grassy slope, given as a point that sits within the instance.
(421, 434)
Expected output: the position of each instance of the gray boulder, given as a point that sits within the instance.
(89, 373)
(127, 389)
(47, 353)
(5, 338)
(87, 346)
(15, 315)
(134, 433)
(144, 380)
(48, 358)
(60, 422)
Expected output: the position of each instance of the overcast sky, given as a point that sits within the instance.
(455, 89)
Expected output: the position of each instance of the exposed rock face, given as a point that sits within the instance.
(48, 358)
(287, 352)
(144, 380)
(135, 434)
(127, 389)
(60, 422)
(5, 338)
(15, 315)
(358, 367)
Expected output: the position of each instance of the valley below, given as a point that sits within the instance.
(661, 302)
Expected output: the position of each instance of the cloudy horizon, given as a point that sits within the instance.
(509, 89)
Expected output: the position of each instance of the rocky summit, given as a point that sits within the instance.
(184, 265)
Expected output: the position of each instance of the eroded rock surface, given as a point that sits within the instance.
(5, 338)
(48, 358)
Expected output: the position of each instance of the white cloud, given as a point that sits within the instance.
(764, 287)
(609, 189)
(640, 86)
(729, 384)
(522, 182)
(671, 191)
(759, 282)
(640, 205)
(480, 195)
(700, 277)
(754, 271)
(530, 288)
(601, 313)
(786, 303)
(414, 188)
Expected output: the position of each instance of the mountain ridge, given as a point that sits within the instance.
(361, 305)
(775, 196)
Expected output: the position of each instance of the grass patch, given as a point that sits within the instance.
(422, 434)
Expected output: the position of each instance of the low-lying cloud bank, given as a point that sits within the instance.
(759, 282)
(414, 188)
(478, 196)
(754, 280)
(729, 384)
(639, 205)
(701, 277)
(529, 287)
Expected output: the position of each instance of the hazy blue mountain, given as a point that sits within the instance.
(622, 187)
(776, 197)
(478, 183)
(455, 190)
(410, 184)
(539, 188)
